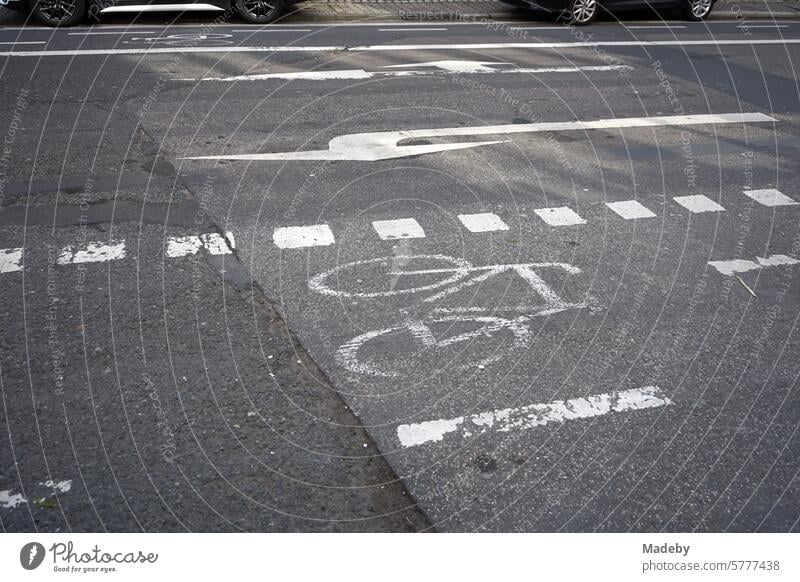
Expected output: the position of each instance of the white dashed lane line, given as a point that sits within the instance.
(483, 222)
(734, 266)
(770, 197)
(298, 237)
(10, 260)
(526, 417)
(92, 253)
(400, 228)
(631, 209)
(213, 243)
(560, 216)
(698, 203)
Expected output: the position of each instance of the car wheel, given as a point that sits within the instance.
(580, 12)
(697, 9)
(59, 12)
(259, 11)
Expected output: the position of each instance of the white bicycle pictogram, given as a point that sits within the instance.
(448, 276)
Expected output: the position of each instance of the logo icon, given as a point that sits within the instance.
(31, 555)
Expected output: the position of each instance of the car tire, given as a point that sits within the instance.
(696, 10)
(580, 12)
(59, 13)
(259, 11)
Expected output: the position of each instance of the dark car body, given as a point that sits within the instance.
(556, 7)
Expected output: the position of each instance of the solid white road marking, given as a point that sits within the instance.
(734, 266)
(482, 222)
(298, 237)
(10, 260)
(92, 253)
(409, 29)
(559, 216)
(664, 26)
(453, 66)
(394, 48)
(770, 197)
(630, 209)
(182, 246)
(25, 42)
(525, 417)
(382, 145)
(698, 203)
(272, 30)
(399, 228)
(111, 33)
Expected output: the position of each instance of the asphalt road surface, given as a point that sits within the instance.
(401, 277)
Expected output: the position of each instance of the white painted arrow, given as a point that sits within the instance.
(452, 66)
(383, 145)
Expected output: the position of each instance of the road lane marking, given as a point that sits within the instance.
(399, 228)
(630, 209)
(770, 197)
(526, 417)
(10, 260)
(358, 74)
(734, 266)
(482, 222)
(92, 253)
(559, 216)
(11, 500)
(111, 33)
(383, 145)
(394, 48)
(213, 243)
(409, 29)
(273, 30)
(298, 237)
(698, 203)
(24, 42)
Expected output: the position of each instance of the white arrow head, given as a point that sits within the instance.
(452, 66)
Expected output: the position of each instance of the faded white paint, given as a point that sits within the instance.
(383, 145)
(560, 216)
(421, 333)
(11, 260)
(482, 222)
(358, 74)
(9, 500)
(399, 228)
(698, 203)
(182, 246)
(630, 209)
(92, 253)
(526, 417)
(58, 486)
(297, 237)
(734, 266)
(770, 197)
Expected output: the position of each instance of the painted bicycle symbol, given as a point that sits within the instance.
(453, 329)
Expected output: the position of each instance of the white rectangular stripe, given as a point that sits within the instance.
(734, 266)
(10, 260)
(770, 197)
(394, 48)
(182, 246)
(525, 417)
(298, 237)
(482, 222)
(630, 209)
(560, 216)
(698, 203)
(92, 253)
(400, 228)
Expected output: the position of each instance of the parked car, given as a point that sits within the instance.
(582, 12)
(72, 12)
